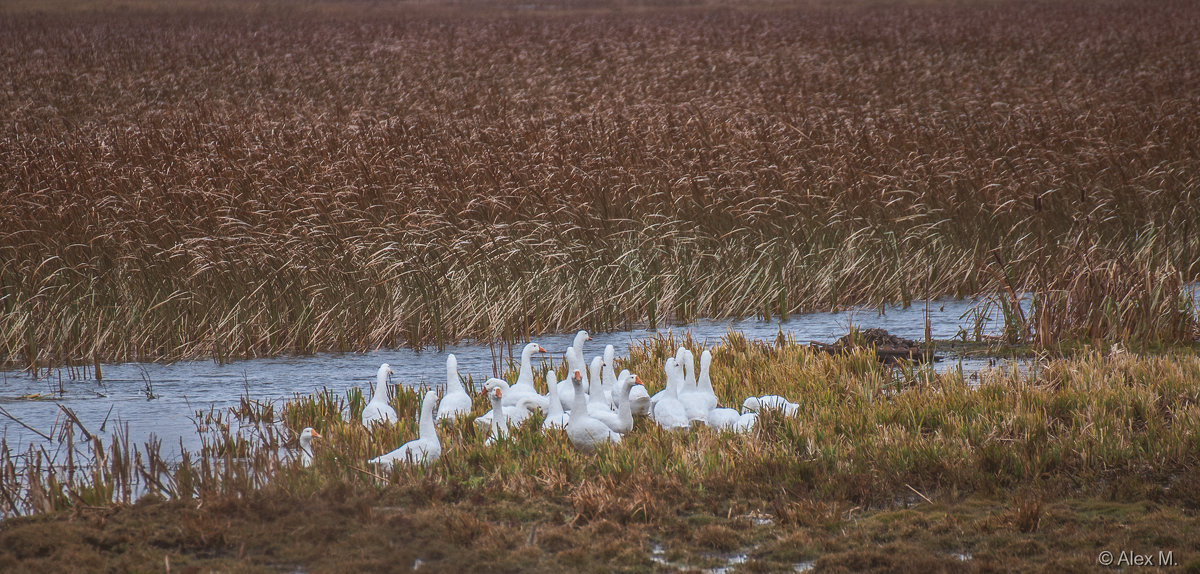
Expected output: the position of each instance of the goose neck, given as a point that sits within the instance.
(579, 405)
(380, 395)
(555, 408)
(427, 430)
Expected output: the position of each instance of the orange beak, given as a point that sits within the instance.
(541, 350)
(317, 434)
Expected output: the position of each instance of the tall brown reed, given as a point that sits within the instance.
(210, 183)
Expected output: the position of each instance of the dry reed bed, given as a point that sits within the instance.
(222, 184)
(1116, 428)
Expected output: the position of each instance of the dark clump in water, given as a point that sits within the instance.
(878, 338)
(888, 347)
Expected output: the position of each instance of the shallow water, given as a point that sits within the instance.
(186, 387)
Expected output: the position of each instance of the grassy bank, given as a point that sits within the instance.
(184, 182)
(340, 530)
(895, 470)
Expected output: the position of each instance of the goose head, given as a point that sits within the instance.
(494, 389)
(674, 372)
(625, 382)
(494, 383)
(306, 451)
(429, 403)
(580, 338)
(453, 383)
(579, 401)
(307, 435)
(555, 406)
(384, 371)
(594, 370)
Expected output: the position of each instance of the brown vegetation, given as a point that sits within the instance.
(236, 182)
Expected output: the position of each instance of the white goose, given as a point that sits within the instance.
(555, 417)
(581, 338)
(566, 390)
(769, 403)
(746, 422)
(700, 398)
(639, 400)
(668, 412)
(680, 355)
(499, 421)
(620, 421)
(456, 402)
(608, 375)
(597, 401)
(306, 451)
(584, 431)
(722, 418)
(484, 421)
(378, 410)
(515, 414)
(524, 385)
(725, 419)
(426, 448)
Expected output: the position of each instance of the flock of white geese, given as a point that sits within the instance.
(594, 405)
